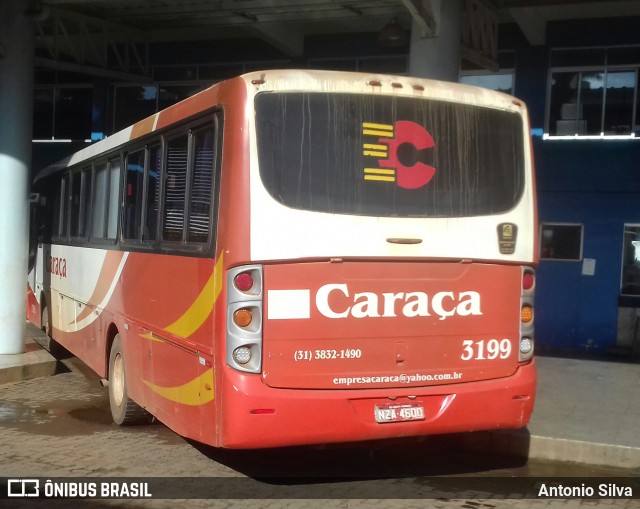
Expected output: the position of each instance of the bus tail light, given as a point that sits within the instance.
(528, 279)
(242, 355)
(248, 280)
(526, 343)
(243, 281)
(244, 318)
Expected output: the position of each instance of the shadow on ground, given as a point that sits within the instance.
(439, 455)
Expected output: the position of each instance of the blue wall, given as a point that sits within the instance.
(596, 183)
(592, 182)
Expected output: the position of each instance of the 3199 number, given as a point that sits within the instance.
(485, 349)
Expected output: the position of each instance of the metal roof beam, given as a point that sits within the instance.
(91, 70)
(480, 34)
(94, 42)
(426, 13)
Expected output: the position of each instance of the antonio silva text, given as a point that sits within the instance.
(602, 490)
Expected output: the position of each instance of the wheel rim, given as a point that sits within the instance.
(118, 380)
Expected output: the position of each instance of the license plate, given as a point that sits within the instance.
(399, 413)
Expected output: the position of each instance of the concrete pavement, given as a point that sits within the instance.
(34, 363)
(586, 411)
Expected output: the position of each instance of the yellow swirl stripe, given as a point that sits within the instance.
(196, 392)
(199, 390)
(201, 308)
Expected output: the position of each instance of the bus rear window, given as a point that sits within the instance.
(388, 156)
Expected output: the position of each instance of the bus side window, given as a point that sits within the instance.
(99, 202)
(74, 205)
(202, 164)
(152, 197)
(133, 194)
(79, 204)
(87, 179)
(59, 217)
(114, 195)
(175, 188)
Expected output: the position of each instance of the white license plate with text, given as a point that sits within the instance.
(399, 412)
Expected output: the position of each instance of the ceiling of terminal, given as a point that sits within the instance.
(180, 19)
(79, 30)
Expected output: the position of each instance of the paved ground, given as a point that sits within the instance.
(60, 426)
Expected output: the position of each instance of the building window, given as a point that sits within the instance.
(133, 103)
(619, 93)
(593, 92)
(630, 284)
(171, 94)
(396, 64)
(62, 113)
(502, 82)
(560, 241)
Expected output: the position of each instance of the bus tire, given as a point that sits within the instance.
(124, 410)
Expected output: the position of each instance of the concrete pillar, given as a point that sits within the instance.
(438, 57)
(16, 106)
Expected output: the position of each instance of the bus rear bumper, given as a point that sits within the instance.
(257, 416)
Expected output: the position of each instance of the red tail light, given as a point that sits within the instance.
(243, 281)
(528, 280)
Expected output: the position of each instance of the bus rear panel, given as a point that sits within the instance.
(388, 285)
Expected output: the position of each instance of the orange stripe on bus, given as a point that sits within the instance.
(105, 279)
(143, 127)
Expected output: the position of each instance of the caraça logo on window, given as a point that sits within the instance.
(389, 140)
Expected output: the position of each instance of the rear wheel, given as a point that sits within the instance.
(124, 410)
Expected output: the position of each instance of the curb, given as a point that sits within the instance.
(590, 453)
(522, 444)
(35, 362)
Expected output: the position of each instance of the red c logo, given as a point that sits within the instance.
(418, 175)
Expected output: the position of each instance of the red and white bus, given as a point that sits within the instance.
(300, 257)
